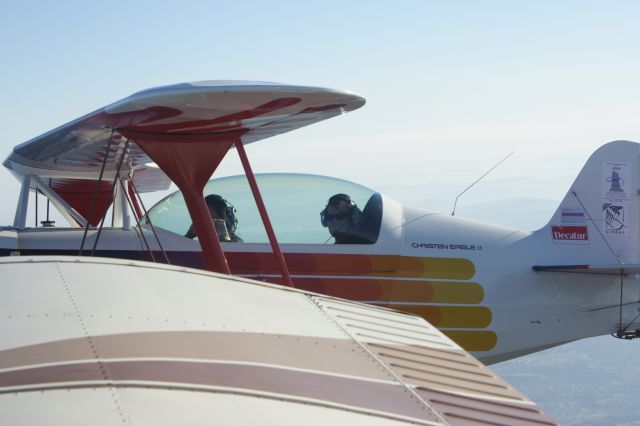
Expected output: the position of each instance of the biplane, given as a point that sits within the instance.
(87, 338)
(498, 292)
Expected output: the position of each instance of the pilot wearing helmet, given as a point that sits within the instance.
(224, 219)
(342, 217)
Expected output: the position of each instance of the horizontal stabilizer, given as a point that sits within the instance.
(613, 269)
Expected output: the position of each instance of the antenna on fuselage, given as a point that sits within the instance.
(453, 212)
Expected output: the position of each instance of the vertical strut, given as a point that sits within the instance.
(263, 214)
(190, 160)
(20, 219)
(132, 197)
(620, 331)
(36, 198)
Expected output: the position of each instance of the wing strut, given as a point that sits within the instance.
(263, 214)
(190, 160)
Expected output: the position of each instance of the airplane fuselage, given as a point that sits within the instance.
(473, 281)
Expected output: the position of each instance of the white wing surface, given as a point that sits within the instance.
(101, 341)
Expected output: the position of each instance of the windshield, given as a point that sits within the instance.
(294, 203)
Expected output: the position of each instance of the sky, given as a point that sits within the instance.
(451, 88)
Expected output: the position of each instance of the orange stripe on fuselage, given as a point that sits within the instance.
(353, 265)
(374, 290)
(337, 275)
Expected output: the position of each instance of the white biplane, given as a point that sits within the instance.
(498, 292)
(78, 322)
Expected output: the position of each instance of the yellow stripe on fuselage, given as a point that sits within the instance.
(436, 268)
(474, 341)
(449, 316)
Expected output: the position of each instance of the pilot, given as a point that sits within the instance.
(224, 219)
(342, 217)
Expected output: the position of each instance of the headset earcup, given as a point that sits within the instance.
(231, 213)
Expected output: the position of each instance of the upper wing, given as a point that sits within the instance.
(260, 110)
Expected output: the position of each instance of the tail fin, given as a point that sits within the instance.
(602, 207)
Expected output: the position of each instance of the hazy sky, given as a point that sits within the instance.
(451, 87)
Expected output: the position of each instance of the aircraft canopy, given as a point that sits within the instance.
(294, 200)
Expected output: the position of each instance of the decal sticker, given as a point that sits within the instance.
(613, 219)
(440, 246)
(572, 216)
(615, 182)
(570, 234)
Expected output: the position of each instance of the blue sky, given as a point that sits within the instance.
(451, 87)
(459, 83)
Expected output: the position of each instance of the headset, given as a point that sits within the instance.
(221, 205)
(353, 213)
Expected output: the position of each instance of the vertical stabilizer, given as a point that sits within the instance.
(601, 208)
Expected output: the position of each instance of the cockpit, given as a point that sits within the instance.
(303, 209)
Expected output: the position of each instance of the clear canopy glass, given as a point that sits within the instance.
(293, 201)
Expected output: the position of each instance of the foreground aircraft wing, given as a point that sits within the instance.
(613, 269)
(103, 341)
